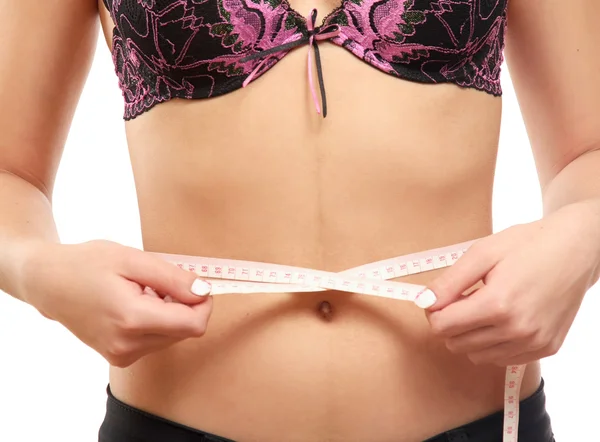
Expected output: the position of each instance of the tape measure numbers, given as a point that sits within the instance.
(229, 276)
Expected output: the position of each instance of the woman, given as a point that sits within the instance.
(403, 162)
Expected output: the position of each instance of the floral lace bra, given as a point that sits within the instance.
(165, 49)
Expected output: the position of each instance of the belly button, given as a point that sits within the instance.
(325, 310)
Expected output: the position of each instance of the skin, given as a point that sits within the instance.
(375, 179)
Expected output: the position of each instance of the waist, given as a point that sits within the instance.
(273, 358)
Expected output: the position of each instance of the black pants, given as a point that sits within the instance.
(124, 423)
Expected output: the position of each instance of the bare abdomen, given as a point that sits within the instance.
(395, 168)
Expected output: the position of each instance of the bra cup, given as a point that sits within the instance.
(165, 49)
(488, 8)
(159, 5)
(134, 10)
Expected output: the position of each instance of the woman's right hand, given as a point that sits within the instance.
(99, 290)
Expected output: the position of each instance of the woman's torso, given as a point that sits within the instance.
(396, 167)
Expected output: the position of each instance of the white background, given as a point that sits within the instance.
(52, 387)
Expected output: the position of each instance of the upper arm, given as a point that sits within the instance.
(553, 53)
(46, 48)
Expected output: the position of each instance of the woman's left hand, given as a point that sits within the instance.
(535, 276)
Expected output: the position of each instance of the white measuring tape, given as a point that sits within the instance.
(229, 276)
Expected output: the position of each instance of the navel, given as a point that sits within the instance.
(325, 310)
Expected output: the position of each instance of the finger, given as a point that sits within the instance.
(155, 316)
(164, 277)
(467, 315)
(149, 343)
(533, 352)
(150, 292)
(468, 270)
(154, 343)
(477, 340)
(500, 352)
(131, 350)
(524, 358)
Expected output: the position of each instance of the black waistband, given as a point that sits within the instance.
(534, 424)
(124, 423)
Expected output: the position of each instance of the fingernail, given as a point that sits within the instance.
(201, 288)
(425, 299)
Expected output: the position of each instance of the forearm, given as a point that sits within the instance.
(578, 182)
(25, 219)
(577, 187)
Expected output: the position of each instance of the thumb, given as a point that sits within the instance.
(449, 286)
(166, 278)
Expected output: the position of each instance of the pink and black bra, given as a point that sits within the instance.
(164, 49)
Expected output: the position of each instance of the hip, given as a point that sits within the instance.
(125, 423)
(259, 391)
